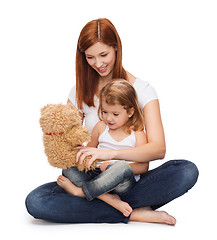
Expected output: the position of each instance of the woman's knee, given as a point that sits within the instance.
(37, 201)
(34, 198)
(184, 172)
(190, 173)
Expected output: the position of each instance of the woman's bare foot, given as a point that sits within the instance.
(146, 214)
(116, 202)
(69, 187)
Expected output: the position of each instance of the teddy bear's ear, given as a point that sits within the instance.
(46, 109)
(70, 106)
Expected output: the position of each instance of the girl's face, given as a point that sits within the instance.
(115, 116)
(101, 57)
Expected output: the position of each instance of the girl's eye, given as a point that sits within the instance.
(116, 114)
(104, 112)
(89, 57)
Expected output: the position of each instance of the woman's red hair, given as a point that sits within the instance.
(100, 30)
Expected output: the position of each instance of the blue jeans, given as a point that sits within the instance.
(155, 188)
(118, 178)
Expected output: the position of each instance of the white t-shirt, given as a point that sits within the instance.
(144, 90)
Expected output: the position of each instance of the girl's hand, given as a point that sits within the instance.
(104, 165)
(95, 153)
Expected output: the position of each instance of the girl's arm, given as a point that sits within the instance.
(96, 132)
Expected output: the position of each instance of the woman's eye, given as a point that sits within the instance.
(104, 55)
(89, 57)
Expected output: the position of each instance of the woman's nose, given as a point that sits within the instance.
(98, 63)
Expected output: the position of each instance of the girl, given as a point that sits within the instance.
(121, 127)
(98, 61)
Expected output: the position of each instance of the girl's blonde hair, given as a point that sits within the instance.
(120, 91)
(87, 79)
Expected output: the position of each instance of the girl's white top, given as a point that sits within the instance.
(144, 90)
(107, 142)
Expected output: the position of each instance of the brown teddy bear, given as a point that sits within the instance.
(62, 131)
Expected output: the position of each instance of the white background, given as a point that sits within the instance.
(171, 44)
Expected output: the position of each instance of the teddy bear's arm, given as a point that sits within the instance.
(77, 136)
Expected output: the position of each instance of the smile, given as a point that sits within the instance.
(102, 69)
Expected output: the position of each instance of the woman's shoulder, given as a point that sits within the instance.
(138, 83)
(141, 84)
(131, 78)
(145, 92)
(72, 94)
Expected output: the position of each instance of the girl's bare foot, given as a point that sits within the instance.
(113, 200)
(122, 206)
(146, 214)
(116, 202)
(69, 187)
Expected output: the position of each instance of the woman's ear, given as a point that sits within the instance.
(131, 112)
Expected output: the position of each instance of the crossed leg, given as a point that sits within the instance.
(111, 199)
(145, 214)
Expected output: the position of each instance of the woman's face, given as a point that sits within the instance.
(101, 57)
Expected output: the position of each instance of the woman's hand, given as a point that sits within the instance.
(95, 153)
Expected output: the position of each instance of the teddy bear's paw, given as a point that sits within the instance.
(80, 167)
(84, 165)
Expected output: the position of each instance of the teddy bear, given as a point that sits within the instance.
(62, 131)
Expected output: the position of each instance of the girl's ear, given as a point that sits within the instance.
(131, 112)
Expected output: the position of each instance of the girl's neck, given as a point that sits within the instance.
(119, 134)
(124, 130)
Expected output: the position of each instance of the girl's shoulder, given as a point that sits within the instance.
(140, 137)
(139, 133)
(100, 127)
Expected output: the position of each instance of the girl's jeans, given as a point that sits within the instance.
(155, 188)
(118, 178)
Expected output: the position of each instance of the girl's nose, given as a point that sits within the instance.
(109, 118)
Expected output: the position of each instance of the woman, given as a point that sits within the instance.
(98, 61)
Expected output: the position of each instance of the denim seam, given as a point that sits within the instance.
(86, 192)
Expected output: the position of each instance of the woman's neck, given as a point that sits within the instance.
(107, 78)
(102, 82)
